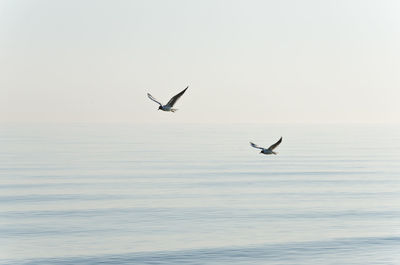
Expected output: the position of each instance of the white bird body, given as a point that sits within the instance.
(269, 150)
(171, 102)
(168, 108)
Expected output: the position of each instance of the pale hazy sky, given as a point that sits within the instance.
(245, 61)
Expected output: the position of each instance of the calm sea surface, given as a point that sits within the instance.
(199, 194)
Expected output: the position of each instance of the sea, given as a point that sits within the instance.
(148, 193)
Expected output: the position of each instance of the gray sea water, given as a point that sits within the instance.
(199, 194)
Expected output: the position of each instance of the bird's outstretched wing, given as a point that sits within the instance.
(272, 147)
(175, 98)
(152, 98)
(255, 146)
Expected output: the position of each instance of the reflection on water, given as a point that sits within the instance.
(199, 194)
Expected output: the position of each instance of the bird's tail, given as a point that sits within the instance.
(173, 110)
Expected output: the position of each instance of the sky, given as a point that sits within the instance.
(252, 61)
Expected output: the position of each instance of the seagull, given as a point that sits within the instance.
(171, 102)
(269, 150)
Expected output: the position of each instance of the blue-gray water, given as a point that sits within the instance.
(199, 194)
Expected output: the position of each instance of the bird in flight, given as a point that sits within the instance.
(171, 102)
(269, 150)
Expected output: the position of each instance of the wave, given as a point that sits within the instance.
(350, 251)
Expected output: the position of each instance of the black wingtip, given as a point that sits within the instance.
(183, 91)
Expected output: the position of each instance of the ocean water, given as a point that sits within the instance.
(199, 194)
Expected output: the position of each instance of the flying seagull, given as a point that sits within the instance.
(171, 102)
(269, 150)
